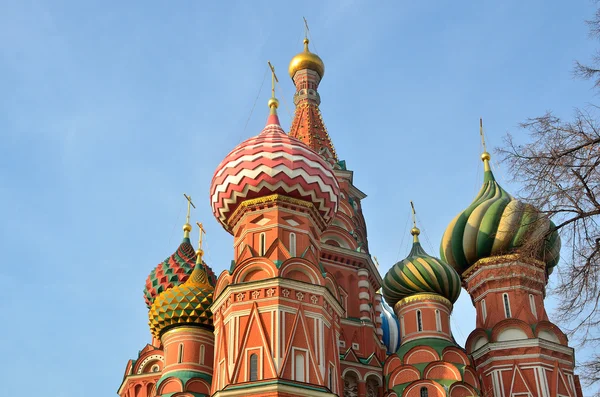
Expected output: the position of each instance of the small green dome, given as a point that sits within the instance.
(420, 273)
(497, 224)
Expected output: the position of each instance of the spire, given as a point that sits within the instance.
(273, 102)
(415, 230)
(187, 228)
(200, 251)
(485, 156)
(306, 70)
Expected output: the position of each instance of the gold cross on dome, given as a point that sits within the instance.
(414, 214)
(274, 79)
(202, 233)
(481, 134)
(189, 209)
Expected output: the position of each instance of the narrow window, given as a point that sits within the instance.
(483, 309)
(253, 367)
(438, 321)
(402, 331)
(293, 244)
(424, 392)
(180, 353)
(419, 321)
(262, 244)
(201, 354)
(299, 368)
(532, 304)
(506, 305)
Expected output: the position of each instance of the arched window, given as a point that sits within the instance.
(293, 244)
(483, 309)
(180, 353)
(253, 367)
(262, 243)
(438, 321)
(419, 321)
(299, 368)
(532, 305)
(202, 354)
(506, 305)
(424, 392)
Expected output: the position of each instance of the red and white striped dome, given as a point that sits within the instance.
(273, 163)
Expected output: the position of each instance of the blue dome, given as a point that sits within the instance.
(391, 328)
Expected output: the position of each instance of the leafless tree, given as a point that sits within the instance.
(559, 171)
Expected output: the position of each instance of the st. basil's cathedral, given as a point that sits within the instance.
(303, 310)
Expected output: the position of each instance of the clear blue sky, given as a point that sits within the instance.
(109, 111)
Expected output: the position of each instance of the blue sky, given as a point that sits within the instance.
(109, 112)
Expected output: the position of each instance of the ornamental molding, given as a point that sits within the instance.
(515, 344)
(502, 259)
(274, 199)
(422, 297)
(158, 357)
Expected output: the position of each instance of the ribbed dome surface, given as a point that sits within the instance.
(498, 224)
(420, 273)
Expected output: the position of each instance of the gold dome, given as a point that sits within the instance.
(306, 60)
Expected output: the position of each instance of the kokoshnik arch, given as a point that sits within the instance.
(303, 310)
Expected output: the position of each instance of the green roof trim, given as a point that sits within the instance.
(436, 343)
(184, 377)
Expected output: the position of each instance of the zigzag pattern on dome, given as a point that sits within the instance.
(269, 163)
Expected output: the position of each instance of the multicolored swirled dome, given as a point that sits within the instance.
(497, 224)
(273, 163)
(187, 303)
(420, 273)
(173, 271)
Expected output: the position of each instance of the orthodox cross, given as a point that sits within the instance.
(273, 79)
(202, 233)
(189, 205)
(481, 133)
(414, 214)
(305, 28)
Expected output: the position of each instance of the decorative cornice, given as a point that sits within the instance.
(274, 199)
(519, 343)
(422, 297)
(494, 260)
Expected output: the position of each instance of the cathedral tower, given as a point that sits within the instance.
(504, 251)
(277, 310)
(422, 289)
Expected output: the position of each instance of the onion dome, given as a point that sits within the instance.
(306, 60)
(420, 273)
(273, 163)
(391, 328)
(497, 224)
(173, 271)
(187, 303)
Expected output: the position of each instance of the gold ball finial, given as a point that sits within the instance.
(415, 231)
(306, 60)
(485, 156)
(273, 103)
(187, 227)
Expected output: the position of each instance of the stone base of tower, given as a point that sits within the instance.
(532, 367)
(274, 388)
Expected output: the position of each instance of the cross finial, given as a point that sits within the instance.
(200, 251)
(305, 28)
(187, 228)
(415, 230)
(485, 156)
(273, 102)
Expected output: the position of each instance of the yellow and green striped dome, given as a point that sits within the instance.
(420, 273)
(497, 224)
